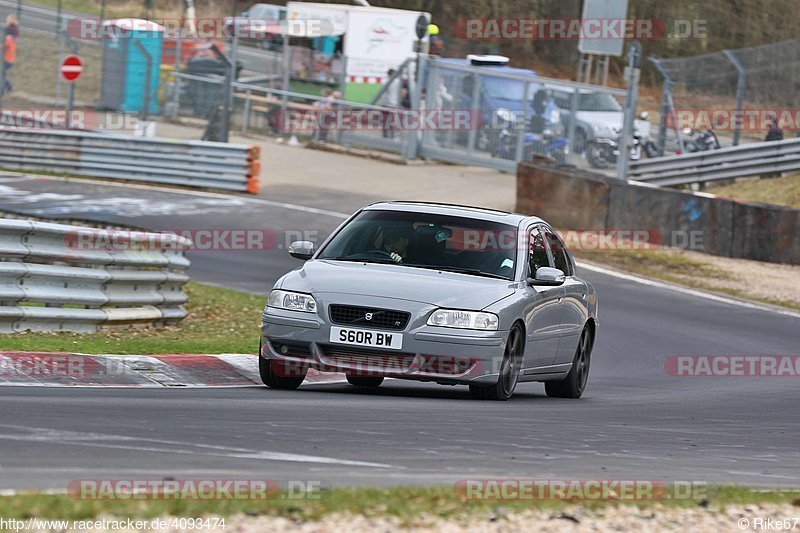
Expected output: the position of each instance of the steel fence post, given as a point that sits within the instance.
(573, 113)
(475, 107)
(626, 138)
(740, 90)
(521, 126)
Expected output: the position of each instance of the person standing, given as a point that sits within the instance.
(391, 98)
(10, 35)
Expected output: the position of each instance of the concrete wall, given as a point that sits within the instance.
(572, 199)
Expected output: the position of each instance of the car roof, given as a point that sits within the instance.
(489, 68)
(468, 211)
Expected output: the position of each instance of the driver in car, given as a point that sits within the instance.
(395, 244)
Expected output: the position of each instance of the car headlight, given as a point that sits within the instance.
(602, 131)
(293, 301)
(452, 318)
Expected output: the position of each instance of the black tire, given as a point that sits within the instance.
(509, 371)
(365, 381)
(691, 147)
(273, 372)
(575, 383)
(596, 157)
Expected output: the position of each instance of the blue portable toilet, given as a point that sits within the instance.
(127, 43)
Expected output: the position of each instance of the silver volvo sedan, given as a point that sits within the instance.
(430, 292)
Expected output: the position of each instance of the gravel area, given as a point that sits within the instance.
(753, 279)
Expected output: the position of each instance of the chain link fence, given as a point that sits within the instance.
(737, 93)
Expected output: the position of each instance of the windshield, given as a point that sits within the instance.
(588, 101)
(421, 240)
(506, 89)
(598, 102)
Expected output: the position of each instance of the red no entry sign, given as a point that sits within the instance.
(71, 68)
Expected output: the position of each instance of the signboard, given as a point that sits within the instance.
(604, 39)
(316, 20)
(71, 68)
(377, 40)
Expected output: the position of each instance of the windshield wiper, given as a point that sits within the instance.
(459, 270)
(353, 260)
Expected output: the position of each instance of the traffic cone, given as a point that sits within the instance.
(293, 141)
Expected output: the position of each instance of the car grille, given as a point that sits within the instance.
(363, 358)
(357, 316)
(291, 348)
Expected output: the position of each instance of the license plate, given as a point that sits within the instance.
(365, 337)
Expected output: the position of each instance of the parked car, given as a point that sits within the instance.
(499, 96)
(599, 117)
(438, 293)
(259, 24)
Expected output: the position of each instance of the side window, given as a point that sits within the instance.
(560, 258)
(537, 253)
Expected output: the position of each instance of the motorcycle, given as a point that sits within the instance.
(604, 152)
(700, 141)
(545, 142)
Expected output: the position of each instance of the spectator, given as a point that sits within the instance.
(391, 98)
(774, 133)
(10, 35)
(321, 108)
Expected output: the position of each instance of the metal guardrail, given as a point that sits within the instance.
(57, 277)
(206, 164)
(726, 163)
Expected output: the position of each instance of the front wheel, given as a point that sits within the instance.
(575, 383)
(509, 371)
(280, 375)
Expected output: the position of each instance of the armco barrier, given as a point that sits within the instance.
(574, 199)
(746, 160)
(204, 164)
(56, 277)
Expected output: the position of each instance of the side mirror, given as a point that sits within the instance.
(301, 250)
(644, 115)
(547, 276)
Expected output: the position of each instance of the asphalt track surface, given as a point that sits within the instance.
(635, 421)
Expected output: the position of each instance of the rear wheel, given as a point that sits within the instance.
(574, 384)
(509, 371)
(365, 381)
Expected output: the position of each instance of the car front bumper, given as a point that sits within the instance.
(443, 355)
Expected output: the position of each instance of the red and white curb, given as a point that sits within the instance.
(164, 370)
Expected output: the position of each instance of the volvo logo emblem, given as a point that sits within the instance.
(368, 316)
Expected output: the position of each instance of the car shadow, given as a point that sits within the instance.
(399, 389)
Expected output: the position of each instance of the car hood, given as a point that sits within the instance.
(444, 289)
(602, 119)
(605, 122)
